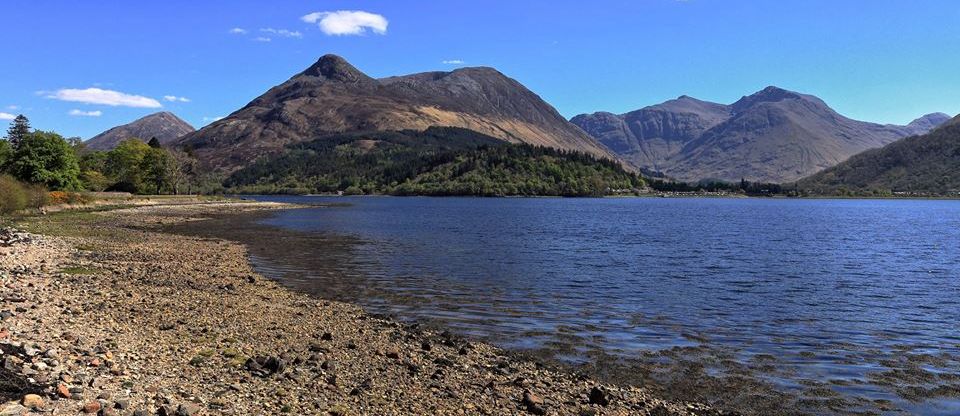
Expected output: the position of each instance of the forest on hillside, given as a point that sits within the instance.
(438, 161)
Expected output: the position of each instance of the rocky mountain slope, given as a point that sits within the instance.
(773, 135)
(927, 164)
(332, 96)
(165, 126)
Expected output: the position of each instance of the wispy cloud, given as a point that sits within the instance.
(262, 39)
(209, 119)
(7, 116)
(81, 113)
(174, 98)
(453, 62)
(237, 31)
(282, 32)
(104, 97)
(348, 22)
(13, 107)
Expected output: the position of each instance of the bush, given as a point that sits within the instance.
(37, 196)
(61, 197)
(13, 195)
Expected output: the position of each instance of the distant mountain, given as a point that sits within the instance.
(927, 164)
(650, 136)
(773, 135)
(331, 96)
(926, 123)
(165, 126)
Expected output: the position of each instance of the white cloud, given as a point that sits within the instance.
(209, 119)
(7, 116)
(174, 98)
(105, 97)
(81, 113)
(282, 32)
(453, 62)
(347, 22)
(237, 31)
(262, 39)
(13, 107)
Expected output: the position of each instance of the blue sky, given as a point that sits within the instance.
(882, 61)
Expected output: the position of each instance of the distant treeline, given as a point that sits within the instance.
(744, 187)
(437, 161)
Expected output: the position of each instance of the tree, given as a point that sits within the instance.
(182, 170)
(6, 154)
(95, 181)
(19, 130)
(46, 158)
(156, 167)
(124, 164)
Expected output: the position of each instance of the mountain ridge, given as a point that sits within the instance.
(773, 135)
(332, 96)
(925, 164)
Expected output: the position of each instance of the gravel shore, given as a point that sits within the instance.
(104, 314)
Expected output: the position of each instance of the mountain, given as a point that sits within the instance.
(651, 135)
(165, 126)
(773, 135)
(331, 96)
(927, 164)
(926, 123)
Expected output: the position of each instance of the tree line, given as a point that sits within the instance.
(436, 161)
(31, 160)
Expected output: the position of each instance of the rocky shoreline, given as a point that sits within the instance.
(105, 314)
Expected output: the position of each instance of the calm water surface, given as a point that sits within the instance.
(859, 296)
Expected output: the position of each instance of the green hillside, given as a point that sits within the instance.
(437, 161)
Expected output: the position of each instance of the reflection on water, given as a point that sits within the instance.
(820, 297)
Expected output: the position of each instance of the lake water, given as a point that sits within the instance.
(839, 305)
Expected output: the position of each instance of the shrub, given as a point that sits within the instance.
(62, 197)
(13, 195)
(58, 197)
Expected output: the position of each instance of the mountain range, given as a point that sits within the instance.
(927, 164)
(165, 126)
(774, 135)
(331, 96)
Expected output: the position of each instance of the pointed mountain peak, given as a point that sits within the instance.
(335, 68)
(773, 93)
(770, 94)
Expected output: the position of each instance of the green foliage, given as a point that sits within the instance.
(95, 181)
(437, 161)
(96, 160)
(156, 166)
(16, 196)
(743, 187)
(124, 163)
(6, 154)
(46, 158)
(19, 130)
(13, 195)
